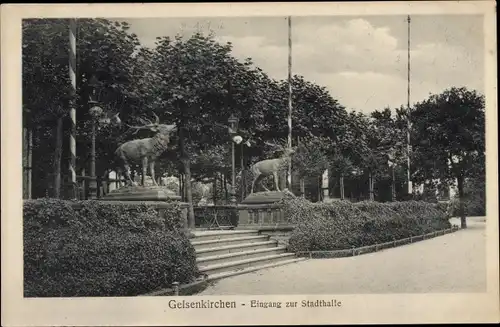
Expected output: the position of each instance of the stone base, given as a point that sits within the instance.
(266, 197)
(140, 193)
(331, 200)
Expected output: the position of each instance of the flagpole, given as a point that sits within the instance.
(408, 147)
(290, 99)
(72, 113)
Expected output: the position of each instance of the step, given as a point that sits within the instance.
(219, 235)
(228, 257)
(217, 276)
(245, 263)
(218, 250)
(198, 245)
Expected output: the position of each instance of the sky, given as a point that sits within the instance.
(361, 60)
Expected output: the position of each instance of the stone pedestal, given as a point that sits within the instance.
(262, 211)
(265, 197)
(140, 193)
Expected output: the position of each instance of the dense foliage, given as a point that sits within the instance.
(343, 225)
(198, 83)
(94, 249)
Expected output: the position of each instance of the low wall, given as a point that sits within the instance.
(262, 217)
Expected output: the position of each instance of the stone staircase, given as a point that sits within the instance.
(226, 253)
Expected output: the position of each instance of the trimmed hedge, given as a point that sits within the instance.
(343, 225)
(91, 248)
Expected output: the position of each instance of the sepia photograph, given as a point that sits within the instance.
(192, 158)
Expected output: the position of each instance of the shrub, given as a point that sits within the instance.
(343, 225)
(97, 214)
(316, 231)
(48, 212)
(473, 206)
(99, 249)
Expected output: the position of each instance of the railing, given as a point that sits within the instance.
(259, 216)
(216, 217)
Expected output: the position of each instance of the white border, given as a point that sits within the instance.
(392, 308)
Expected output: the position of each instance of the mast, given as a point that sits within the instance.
(290, 98)
(408, 146)
(72, 113)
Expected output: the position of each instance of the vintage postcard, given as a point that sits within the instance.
(249, 163)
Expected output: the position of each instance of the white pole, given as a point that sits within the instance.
(72, 114)
(290, 98)
(408, 147)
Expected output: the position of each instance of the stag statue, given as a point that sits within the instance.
(270, 167)
(144, 151)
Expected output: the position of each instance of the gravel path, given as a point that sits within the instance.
(451, 263)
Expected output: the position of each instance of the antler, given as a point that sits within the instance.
(148, 122)
(157, 119)
(271, 144)
(137, 128)
(276, 144)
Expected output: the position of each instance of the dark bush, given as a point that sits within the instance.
(47, 212)
(343, 225)
(473, 206)
(90, 248)
(316, 230)
(98, 214)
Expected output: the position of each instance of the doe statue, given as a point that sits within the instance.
(145, 151)
(270, 167)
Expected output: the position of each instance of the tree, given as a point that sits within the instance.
(105, 50)
(199, 84)
(449, 138)
(310, 159)
(388, 141)
(46, 85)
(342, 167)
(108, 52)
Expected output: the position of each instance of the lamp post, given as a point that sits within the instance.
(392, 165)
(233, 123)
(95, 112)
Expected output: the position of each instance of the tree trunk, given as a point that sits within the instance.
(461, 196)
(181, 191)
(187, 180)
(226, 191)
(214, 189)
(319, 180)
(243, 183)
(25, 163)
(30, 162)
(370, 184)
(221, 184)
(342, 190)
(57, 158)
(302, 187)
(282, 180)
(393, 185)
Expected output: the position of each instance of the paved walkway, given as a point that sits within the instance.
(451, 263)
